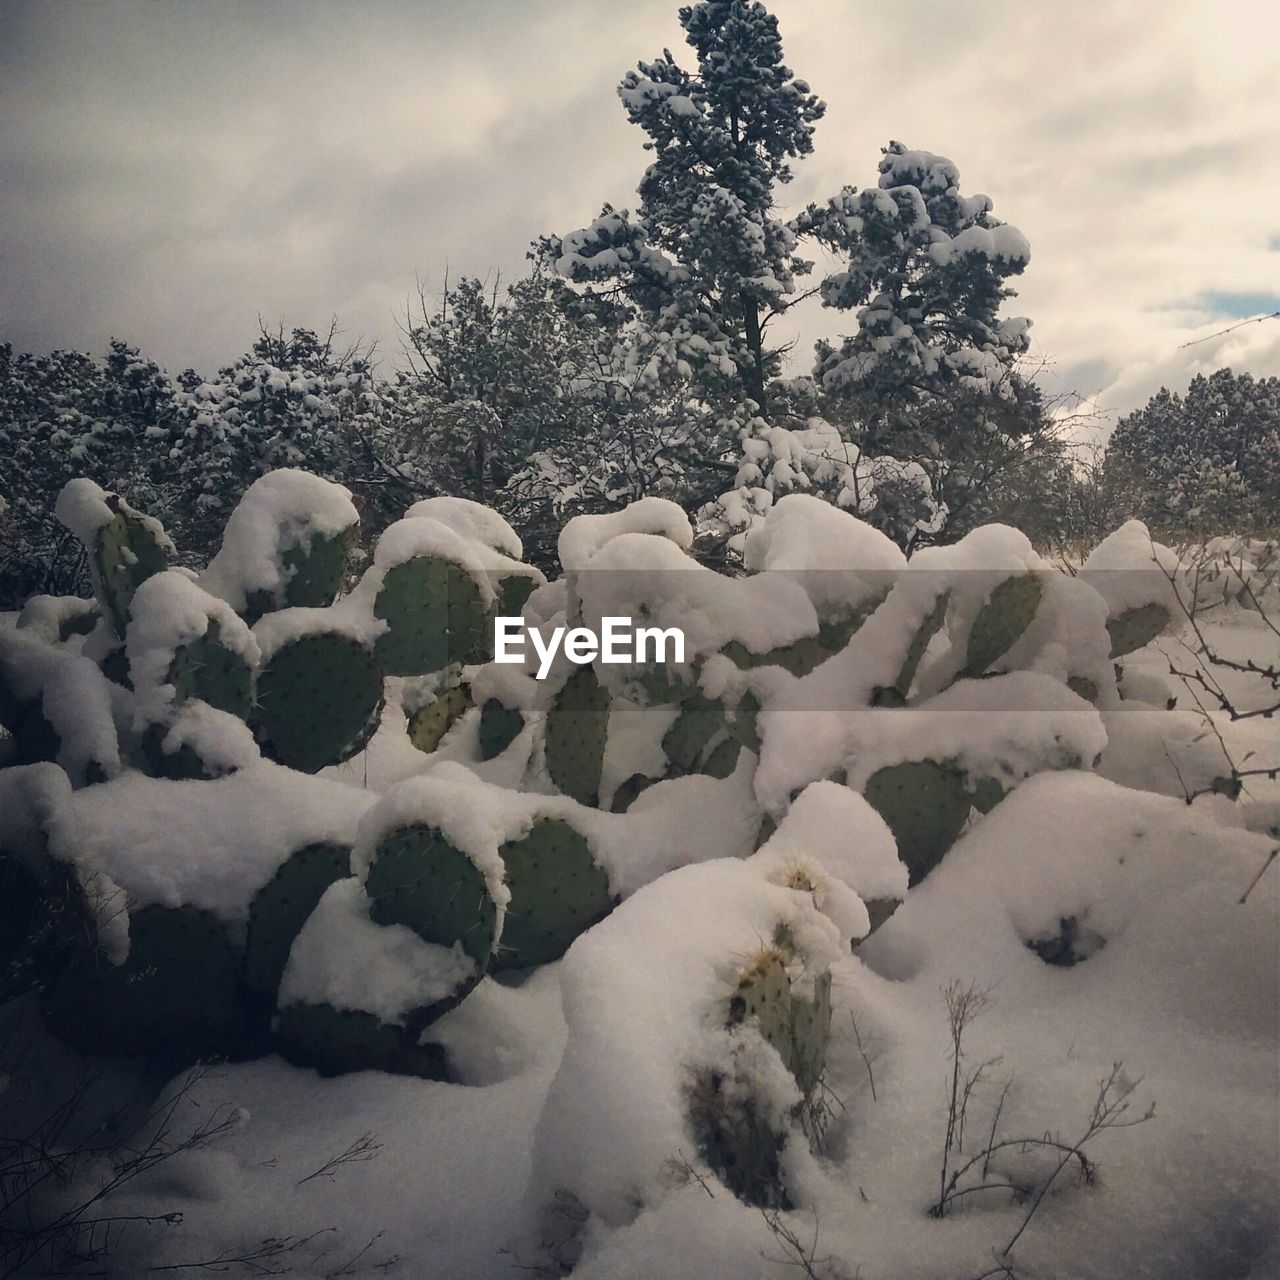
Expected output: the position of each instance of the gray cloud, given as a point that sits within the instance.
(170, 171)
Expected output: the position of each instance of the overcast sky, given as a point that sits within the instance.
(170, 170)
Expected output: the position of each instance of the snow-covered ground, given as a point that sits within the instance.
(566, 1118)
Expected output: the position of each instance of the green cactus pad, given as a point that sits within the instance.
(558, 891)
(281, 907)
(986, 793)
(209, 670)
(418, 879)
(185, 763)
(1136, 627)
(896, 694)
(313, 575)
(629, 791)
(126, 552)
(810, 1034)
(318, 701)
(699, 728)
(763, 996)
(514, 590)
(1002, 621)
(435, 616)
(175, 994)
(46, 925)
(335, 1041)
(803, 655)
(1083, 687)
(499, 727)
(428, 725)
(925, 805)
(576, 728)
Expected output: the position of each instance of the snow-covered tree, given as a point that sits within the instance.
(291, 401)
(705, 264)
(931, 373)
(1209, 461)
(63, 415)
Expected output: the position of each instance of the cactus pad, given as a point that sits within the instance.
(428, 725)
(499, 727)
(1001, 622)
(418, 879)
(925, 805)
(895, 695)
(175, 994)
(435, 616)
(334, 1041)
(281, 907)
(576, 727)
(318, 701)
(1136, 627)
(126, 552)
(557, 892)
(211, 671)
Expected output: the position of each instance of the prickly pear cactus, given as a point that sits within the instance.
(214, 673)
(318, 701)
(895, 695)
(576, 729)
(428, 724)
(126, 552)
(500, 725)
(925, 805)
(1002, 621)
(418, 879)
(557, 892)
(314, 570)
(702, 739)
(281, 907)
(175, 995)
(435, 616)
(1134, 628)
(333, 1042)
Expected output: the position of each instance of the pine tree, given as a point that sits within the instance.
(706, 264)
(1208, 462)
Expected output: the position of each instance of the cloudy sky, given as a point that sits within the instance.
(170, 170)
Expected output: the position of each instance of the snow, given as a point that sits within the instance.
(839, 830)
(45, 616)
(666, 961)
(840, 561)
(210, 844)
(82, 508)
(168, 611)
(280, 511)
(583, 536)
(73, 695)
(472, 520)
(38, 820)
(343, 959)
(1129, 569)
(643, 576)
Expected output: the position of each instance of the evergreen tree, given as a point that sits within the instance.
(706, 264)
(1207, 462)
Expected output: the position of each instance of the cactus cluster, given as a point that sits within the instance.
(276, 652)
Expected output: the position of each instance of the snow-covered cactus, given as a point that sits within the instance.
(287, 544)
(319, 692)
(558, 891)
(428, 723)
(418, 879)
(175, 993)
(124, 546)
(281, 908)
(577, 727)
